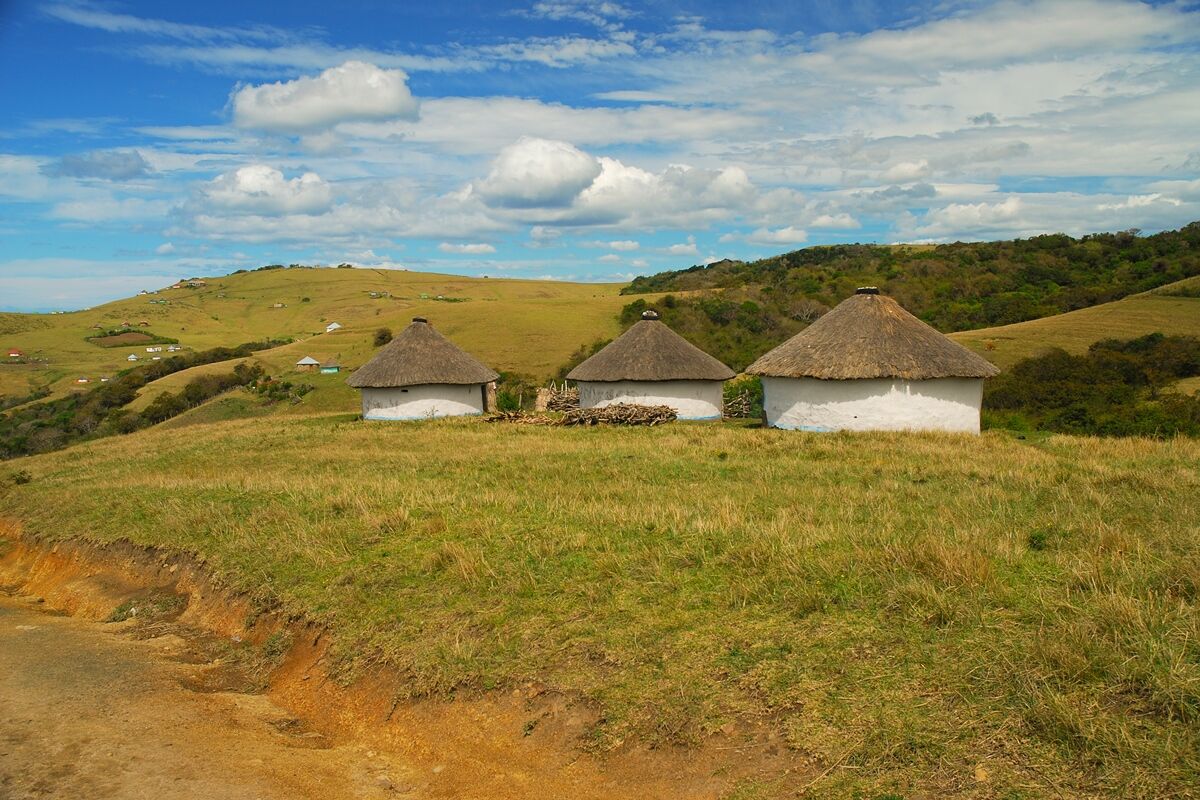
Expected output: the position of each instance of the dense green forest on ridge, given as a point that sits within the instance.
(959, 286)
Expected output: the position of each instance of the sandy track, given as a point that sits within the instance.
(88, 714)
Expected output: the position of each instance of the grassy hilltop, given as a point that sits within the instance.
(522, 326)
(915, 615)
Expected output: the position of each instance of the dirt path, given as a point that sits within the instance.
(88, 714)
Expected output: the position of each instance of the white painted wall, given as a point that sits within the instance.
(878, 404)
(690, 399)
(423, 402)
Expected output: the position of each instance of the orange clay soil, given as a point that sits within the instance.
(525, 743)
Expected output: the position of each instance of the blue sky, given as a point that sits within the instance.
(143, 142)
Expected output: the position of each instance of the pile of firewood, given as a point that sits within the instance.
(563, 399)
(618, 414)
(738, 406)
(521, 418)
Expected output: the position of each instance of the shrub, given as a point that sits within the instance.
(382, 336)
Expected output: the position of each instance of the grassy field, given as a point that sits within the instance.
(513, 325)
(920, 615)
(1074, 332)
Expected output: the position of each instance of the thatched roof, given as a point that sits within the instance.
(650, 351)
(420, 355)
(869, 335)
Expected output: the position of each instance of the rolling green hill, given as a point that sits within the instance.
(1167, 310)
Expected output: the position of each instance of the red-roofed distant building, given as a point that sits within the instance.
(15, 353)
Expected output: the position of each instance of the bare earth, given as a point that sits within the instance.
(88, 713)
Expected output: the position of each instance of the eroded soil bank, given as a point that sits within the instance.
(160, 683)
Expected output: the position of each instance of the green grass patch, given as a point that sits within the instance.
(900, 609)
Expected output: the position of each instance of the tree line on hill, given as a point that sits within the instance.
(54, 424)
(959, 286)
(1117, 388)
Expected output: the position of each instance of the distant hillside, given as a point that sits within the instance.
(1173, 310)
(954, 287)
(528, 327)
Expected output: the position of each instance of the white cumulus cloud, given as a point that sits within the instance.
(538, 173)
(262, 189)
(354, 91)
(478, 248)
(786, 235)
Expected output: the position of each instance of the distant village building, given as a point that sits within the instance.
(333, 326)
(307, 364)
(421, 374)
(651, 365)
(278, 305)
(870, 365)
(15, 353)
(132, 357)
(81, 380)
(173, 347)
(330, 368)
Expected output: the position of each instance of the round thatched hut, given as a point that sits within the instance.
(651, 365)
(870, 365)
(421, 374)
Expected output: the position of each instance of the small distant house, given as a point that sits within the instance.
(104, 380)
(279, 305)
(333, 326)
(157, 358)
(81, 380)
(173, 347)
(132, 357)
(143, 291)
(307, 364)
(421, 374)
(15, 353)
(330, 368)
(870, 365)
(652, 365)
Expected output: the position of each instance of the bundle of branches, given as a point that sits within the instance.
(521, 418)
(563, 399)
(619, 414)
(739, 406)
